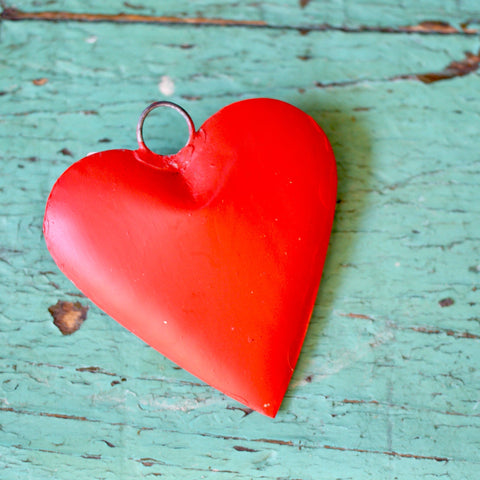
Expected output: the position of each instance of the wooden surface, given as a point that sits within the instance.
(387, 385)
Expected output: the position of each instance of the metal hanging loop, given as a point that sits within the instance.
(153, 106)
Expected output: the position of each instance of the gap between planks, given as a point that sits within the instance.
(427, 27)
(267, 441)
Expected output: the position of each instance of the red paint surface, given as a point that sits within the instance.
(213, 256)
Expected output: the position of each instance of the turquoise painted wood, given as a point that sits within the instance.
(388, 382)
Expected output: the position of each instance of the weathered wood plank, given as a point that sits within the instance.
(426, 15)
(387, 384)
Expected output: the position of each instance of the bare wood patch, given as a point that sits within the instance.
(40, 81)
(66, 152)
(304, 3)
(446, 302)
(454, 69)
(240, 448)
(68, 316)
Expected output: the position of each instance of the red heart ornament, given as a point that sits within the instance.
(213, 256)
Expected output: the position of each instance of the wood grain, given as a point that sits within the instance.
(387, 385)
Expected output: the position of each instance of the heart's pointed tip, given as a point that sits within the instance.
(270, 411)
(267, 408)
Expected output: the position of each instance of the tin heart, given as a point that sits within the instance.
(213, 256)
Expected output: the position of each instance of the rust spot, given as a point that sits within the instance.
(68, 316)
(111, 445)
(461, 68)
(90, 112)
(66, 152)
(104, 140)
(40, 81)
(446, 302)
(239, 448)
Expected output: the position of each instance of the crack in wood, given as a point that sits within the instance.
(390, 453)
(240, 448)
(14, 14)
(356, 315)
(151, 461)
(427, 27)
(448, 332)
(421, 329)
(96, 370)
(454, 69)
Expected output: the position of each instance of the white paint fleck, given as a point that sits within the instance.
(397, 264)
(266, 405)
(165, 322)
(91, 39)
(166, 86)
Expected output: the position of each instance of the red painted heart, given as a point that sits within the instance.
(213, 256)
